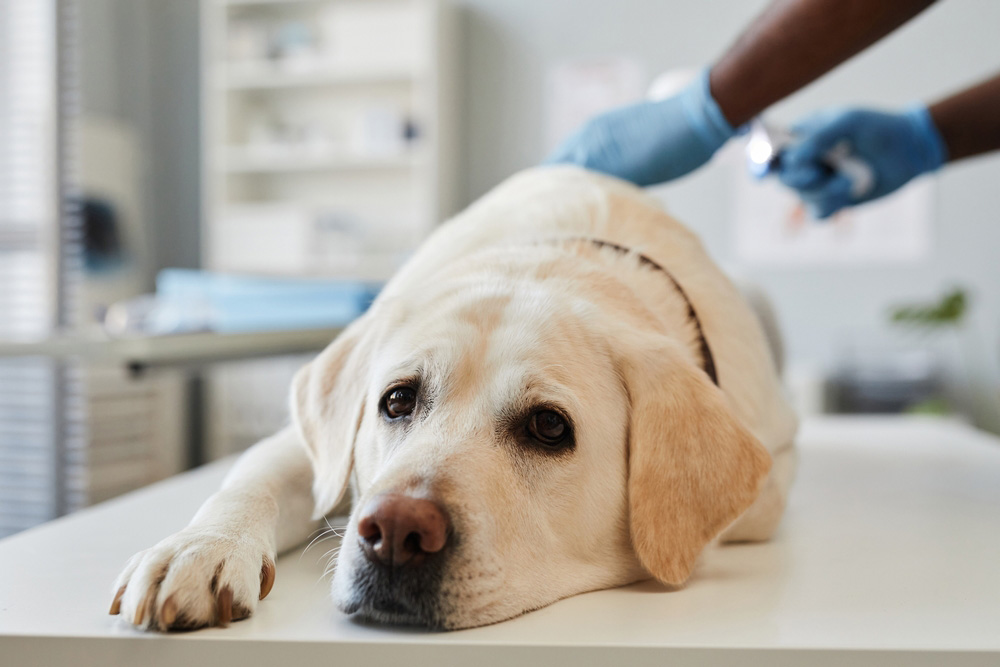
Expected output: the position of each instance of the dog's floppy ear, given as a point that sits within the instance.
(693, 468)
(327, 406)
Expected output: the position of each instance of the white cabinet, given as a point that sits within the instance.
(328, 138)
(327, 132)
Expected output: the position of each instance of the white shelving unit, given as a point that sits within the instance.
(328, 134)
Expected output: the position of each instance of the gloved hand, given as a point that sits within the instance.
(897, 147)
(651, 142)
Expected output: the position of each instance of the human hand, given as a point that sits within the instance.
(896, 146)
(651, 142)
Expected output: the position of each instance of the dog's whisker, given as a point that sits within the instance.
(322, 537)
(331, 565)
(332, 553)
(323, 534)
(334, 528)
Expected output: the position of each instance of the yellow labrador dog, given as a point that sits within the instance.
(559, 393)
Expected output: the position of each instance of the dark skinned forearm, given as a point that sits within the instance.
(969, 121)
(795, 42)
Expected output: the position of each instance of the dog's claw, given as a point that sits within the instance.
(266, 577)
(116, 604)
(168, 614)
(140, 612)
(240, 612)
(147, 609)
(224, 606)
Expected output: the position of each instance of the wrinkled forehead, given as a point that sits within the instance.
(489, 342)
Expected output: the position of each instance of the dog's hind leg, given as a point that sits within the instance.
(761, 520)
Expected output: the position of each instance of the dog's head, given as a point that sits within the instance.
(515, 439)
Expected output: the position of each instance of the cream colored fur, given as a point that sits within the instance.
(505, 307)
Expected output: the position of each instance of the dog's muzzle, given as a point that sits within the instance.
(405, 542)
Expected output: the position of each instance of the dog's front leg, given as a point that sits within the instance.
(218, 567)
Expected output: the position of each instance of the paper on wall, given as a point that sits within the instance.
(580, 89)
(773, 228)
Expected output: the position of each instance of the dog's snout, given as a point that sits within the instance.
(397, 530)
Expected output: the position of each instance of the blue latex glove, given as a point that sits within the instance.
(897, 146)
(651, 142)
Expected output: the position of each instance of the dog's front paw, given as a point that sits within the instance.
(194, 578)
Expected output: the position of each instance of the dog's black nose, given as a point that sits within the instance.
(397, 530)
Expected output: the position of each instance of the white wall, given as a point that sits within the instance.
(174, 40)
(139, 65)
(511, 43)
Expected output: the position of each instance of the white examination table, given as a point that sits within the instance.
(889, 555)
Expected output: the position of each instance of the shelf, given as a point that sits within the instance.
(267, 75)
(175, 350)
(250, 3)
(250, 161)
(365, 58)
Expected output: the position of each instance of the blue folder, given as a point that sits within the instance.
(232, 303)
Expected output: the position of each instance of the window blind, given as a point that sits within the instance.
(40, 415)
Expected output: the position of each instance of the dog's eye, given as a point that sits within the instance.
(548, 428)
(399, 402)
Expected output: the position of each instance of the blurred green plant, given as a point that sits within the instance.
(949, 314)
(935, 407)
(949, 310)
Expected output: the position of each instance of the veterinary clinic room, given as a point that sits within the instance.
(500, 332)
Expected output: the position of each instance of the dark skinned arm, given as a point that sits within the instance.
(969, 121)
(793, 43)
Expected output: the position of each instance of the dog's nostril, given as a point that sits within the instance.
(369, 530)
(412, 543)
(398, 530)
